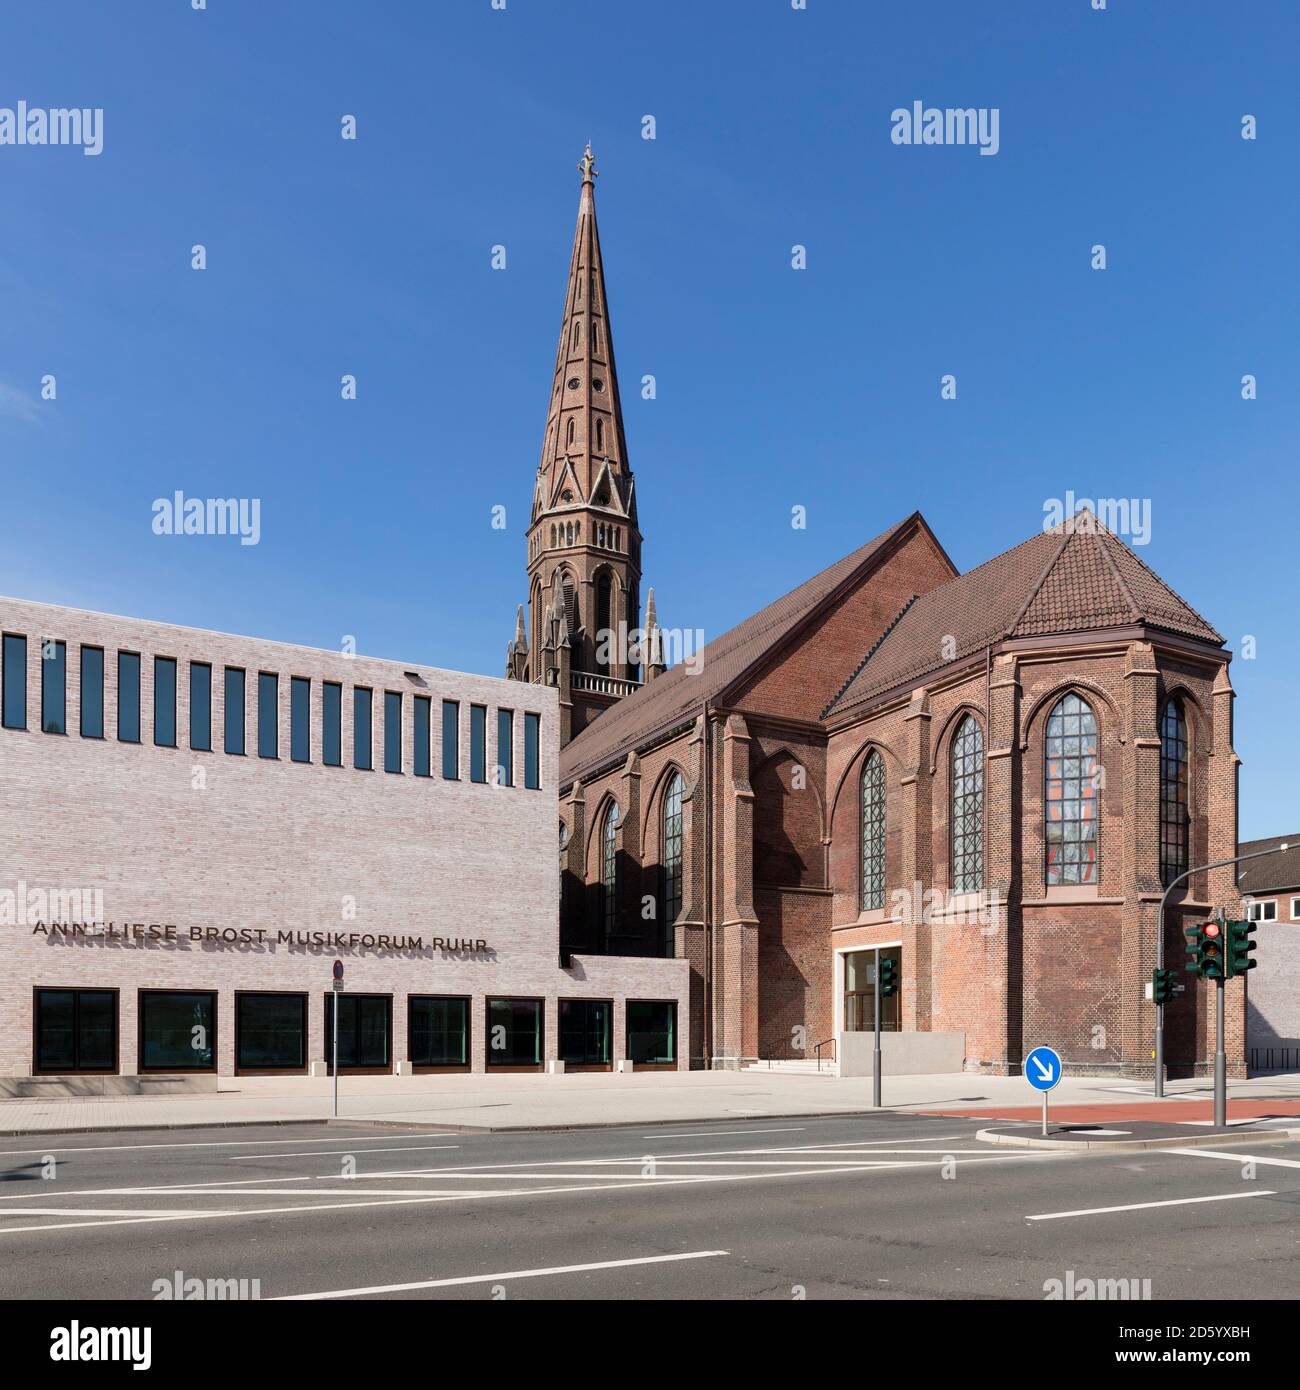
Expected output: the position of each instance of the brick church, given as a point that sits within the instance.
(986, 777)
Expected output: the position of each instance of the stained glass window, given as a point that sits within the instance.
(873, 832)
(968, 807)
(1174, 817)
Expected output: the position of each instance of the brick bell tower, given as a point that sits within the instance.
(584, 548)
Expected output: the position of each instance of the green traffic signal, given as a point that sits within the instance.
(1163, 988)
(888, 977)
(1240, 945)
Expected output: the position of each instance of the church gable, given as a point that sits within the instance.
(801, 678)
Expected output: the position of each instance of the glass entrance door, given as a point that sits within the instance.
(861, 970)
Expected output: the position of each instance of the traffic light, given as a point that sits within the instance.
(1163, 987)
(1205, 950)
(888, 977)
(1240, 945)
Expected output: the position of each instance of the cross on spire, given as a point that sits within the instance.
(587, 164)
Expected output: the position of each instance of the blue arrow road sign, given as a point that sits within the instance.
(1043, 1068)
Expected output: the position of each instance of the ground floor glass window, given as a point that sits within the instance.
(438, 1035)
(651, 1031)
(365, 1029)
(177, 1030)
(76, 1030)
(271, 1032)
(586, 1028)
(514, 1036)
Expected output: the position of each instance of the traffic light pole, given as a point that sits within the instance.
(1160, 957)
(1220, 1061)
(875, 1056)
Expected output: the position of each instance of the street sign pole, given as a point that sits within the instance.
(1043, 1070)
(336, 984)
(875, 1056)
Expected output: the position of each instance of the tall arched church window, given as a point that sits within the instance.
(873, 832)
(604, 621)
(1071, 793)
(609, 871)
(672, 843)
(1175, 815)
(968, 807)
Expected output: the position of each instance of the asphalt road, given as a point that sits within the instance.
(889, 1206)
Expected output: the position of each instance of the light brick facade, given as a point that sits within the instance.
(200, 840)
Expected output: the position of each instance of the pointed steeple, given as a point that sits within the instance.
(584, 422)
(652, 657)
(584, 548)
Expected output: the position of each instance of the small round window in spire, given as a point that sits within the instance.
(574, 383)
(598, 385)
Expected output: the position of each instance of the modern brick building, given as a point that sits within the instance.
(1270, 890)
(195, 826)
(986, 777)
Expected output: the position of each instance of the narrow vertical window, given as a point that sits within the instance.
(234, 710)
(300, 719)
(505, 748)
(873, 832)
(164, 701)
(609, 872)
(331, 721)
(92, 692)
(201, 706)
(532, 751)
(672, 857)
(1175, 817)
(1070, 793)
(128, 697)
(420, 721)
(967, 817)
(54, 687)
(478, 743)
(450, 740)
(268, 714)
(362, 700)
(392, 731)
(14, 677)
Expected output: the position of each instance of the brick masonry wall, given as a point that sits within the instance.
(194, 839)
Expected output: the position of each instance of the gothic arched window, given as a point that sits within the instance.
(672, 856)
(604, 622)
(968, 807)
(873, 832)
(600, 436)
(1072, 783)
(569, 439)
(609, 870)
(1175, 817)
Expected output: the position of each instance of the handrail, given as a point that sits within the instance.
(817, 1048)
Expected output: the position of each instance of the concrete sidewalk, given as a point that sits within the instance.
(516, 1101)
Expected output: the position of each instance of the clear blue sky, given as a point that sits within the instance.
(775, 387)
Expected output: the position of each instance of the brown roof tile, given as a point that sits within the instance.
(1076, 577)
(675, 696)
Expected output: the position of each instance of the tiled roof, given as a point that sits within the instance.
(1076, 577)
(673, 697)
(1275, 874)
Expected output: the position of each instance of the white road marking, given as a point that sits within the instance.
(332, 1153)
(1236, 1157)
(709, 1133)
(497, 1278)
(212, 1144)
(425, 1198)
(1146, 1206)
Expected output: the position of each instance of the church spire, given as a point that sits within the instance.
(584, 444)
(584, 548)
